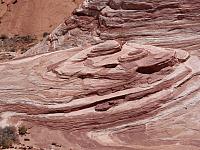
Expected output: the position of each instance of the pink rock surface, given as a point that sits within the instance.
(171, 24)
(117, 90)
(107, 96)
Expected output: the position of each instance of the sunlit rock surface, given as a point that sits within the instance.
(33, 17)
(118, 74)
(107, 96)
(169, 23)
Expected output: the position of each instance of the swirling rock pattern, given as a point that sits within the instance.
(109, 96)
(132, 83)
(169, 24)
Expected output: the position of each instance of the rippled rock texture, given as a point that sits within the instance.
(109, 96)
(169, 23)
(130, 82)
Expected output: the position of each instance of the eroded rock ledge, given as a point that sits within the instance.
(112, 90)
(132, 82)
(171, 24)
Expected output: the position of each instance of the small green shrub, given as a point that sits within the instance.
(8, 137)
(27, 38)
(6, 143)
(22, 130)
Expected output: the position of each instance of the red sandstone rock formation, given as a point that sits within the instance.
(132, 84)
(173, 24)
(107, 96)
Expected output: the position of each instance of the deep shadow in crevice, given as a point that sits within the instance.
(110, 65)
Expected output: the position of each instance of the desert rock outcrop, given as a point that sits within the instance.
(118, 74)
(171, 24)
(109, 96)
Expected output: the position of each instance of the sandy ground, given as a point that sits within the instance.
(34, 16)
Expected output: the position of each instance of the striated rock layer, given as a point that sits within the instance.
(109, 96)
(169, 23)
(126, 76)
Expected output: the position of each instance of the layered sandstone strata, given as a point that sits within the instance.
(172, 24)
(109, 96)
(126, 76)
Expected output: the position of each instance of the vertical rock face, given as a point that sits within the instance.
(132, 82)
